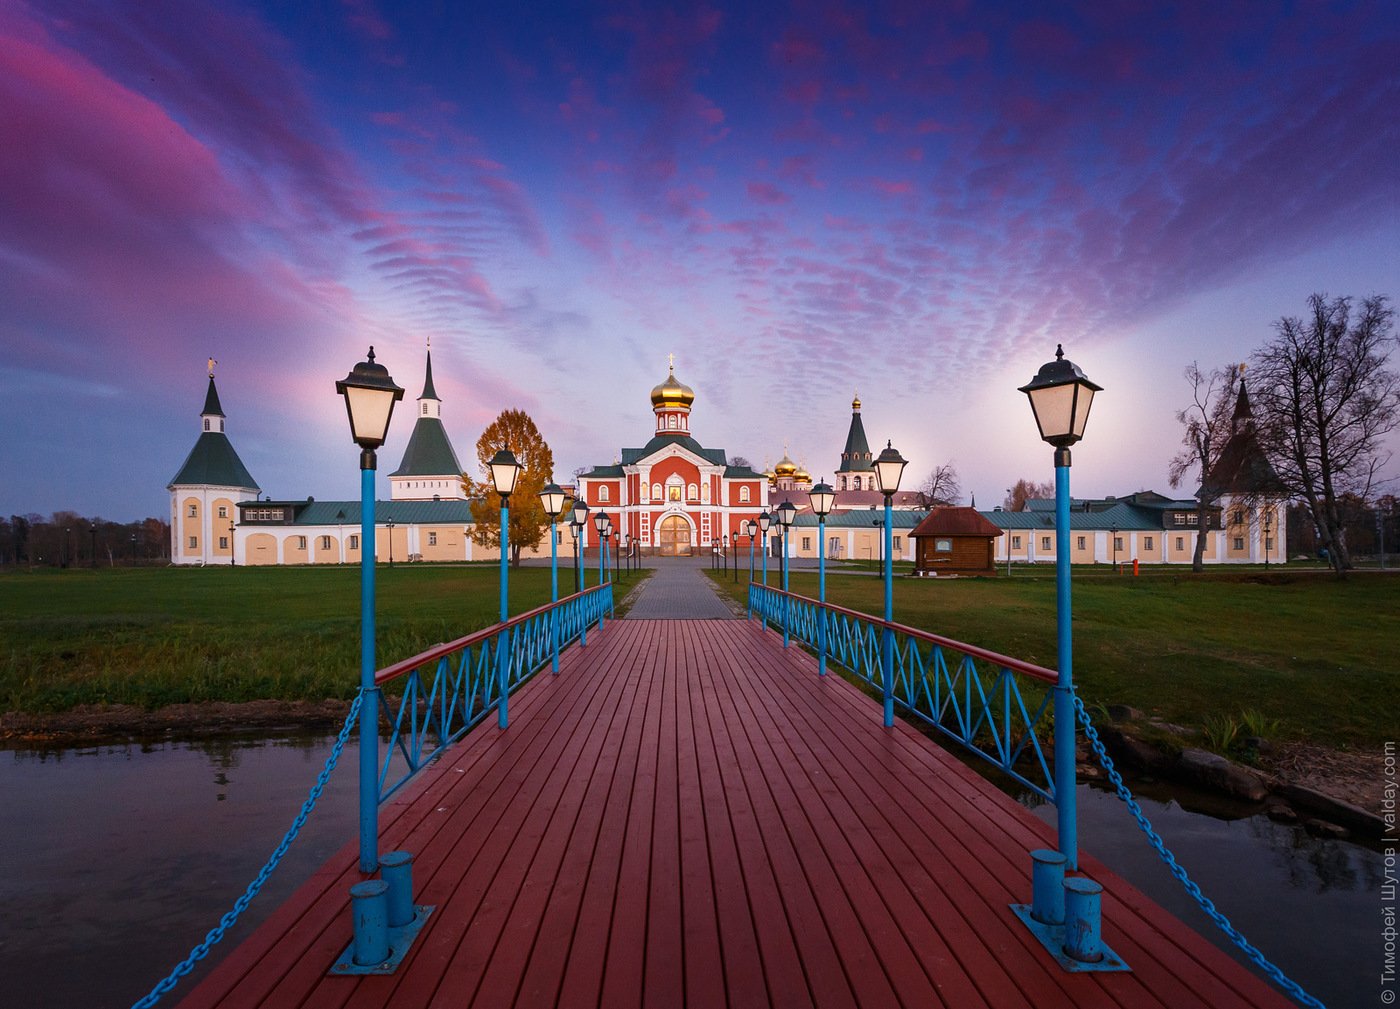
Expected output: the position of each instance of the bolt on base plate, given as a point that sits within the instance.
(400, 939)
(1052, 937)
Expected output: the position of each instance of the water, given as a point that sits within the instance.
(1311, 906)
(118, 859)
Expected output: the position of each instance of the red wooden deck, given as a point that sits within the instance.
(688, 816)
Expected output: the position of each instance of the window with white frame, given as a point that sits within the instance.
(194, 511)
(603, 492)
(1180, 543)
(1239, 542)
(1079, 544)
(354, 543)
(223, 511)
(656, 491)
(1147, 542)
(744, 495)
(1015, 543)
(944, 546)
(325, 542)
(1045, 542)
(806, 543)
(301, 542)
(896, 544)
(223, 542)
(1118, 543)
(432, 539)
(194, 542)
(691, 493)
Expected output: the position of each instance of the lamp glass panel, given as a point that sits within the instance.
(822, 502)
(1054, 410)
(580, 512)
(888, 472)
(369, 413)
(504, 475)
(1081, 409)
(553, 501)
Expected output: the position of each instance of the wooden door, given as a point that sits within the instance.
(674, 536)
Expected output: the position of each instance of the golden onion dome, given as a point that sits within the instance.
(802, 476)
(785, 467)
(855, 403)
(672, 392)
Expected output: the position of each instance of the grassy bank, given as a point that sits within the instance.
(150, 637)
(1316, 655)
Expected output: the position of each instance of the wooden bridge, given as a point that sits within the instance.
(687, 815)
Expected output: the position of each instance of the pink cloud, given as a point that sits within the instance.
(767, 193)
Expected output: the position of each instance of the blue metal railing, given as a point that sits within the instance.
(992, 704)
(451, 687)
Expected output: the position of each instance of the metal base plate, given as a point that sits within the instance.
(1052, 937)
(400, 939)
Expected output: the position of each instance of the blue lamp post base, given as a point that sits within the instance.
(400, 940)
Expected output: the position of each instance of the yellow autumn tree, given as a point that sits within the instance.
(515, 430)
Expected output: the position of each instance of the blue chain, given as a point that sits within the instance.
(1207, 905)
(226, 922)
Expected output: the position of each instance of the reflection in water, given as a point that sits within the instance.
(154, 841)
(1308, 903)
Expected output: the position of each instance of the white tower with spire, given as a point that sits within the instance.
(205, 492)
(429, 470)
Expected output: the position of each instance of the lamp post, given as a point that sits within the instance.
(822, 497)
(370, 395)
(1268, 532)
(232, 551)
(391, 542)
(624, 557)
(889, 467)
(787, 511)
(505, 471)
(751, 527)
(580, 522)
(133, 550)
(765, 520)
(1060, 396)
(553, 500)
(1113, 532)
(67, 532)
(92, 532)
(600, 522)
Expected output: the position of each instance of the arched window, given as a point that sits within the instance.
(603, 492)
(656, 491)
(425, 409)
(671, 420)
(857, 483)
(743, 495)
(691, 493)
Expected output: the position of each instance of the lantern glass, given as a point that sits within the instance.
(889, 467)
(552, 497)
(787, 511)
(370, 395)
(1060, 396)
(822, 497)
(580, 512)
(764, 521)
(599, 521)
(505, 471)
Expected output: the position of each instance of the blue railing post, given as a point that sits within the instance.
(751, 539)
(887, 638)
(503, 642)
(554, 596)
(1067, 822)
(369, 704)
(821, 595)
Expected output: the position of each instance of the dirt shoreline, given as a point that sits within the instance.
(1346, 775)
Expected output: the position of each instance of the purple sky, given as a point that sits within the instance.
(916, 200)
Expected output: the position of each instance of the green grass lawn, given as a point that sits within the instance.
(158, 636)
(1315, 654)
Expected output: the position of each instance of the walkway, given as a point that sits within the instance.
(679, 589)
(687, 815)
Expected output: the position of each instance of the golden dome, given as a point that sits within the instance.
(785, 467)
(672, 392)
(802, 476)
(855, 402)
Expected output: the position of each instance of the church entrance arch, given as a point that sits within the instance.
(673, 537)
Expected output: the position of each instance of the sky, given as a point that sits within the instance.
(914, 201)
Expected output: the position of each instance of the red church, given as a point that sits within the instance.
(673, 497)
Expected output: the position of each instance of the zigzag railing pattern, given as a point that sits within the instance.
(451, 687)
(992, 704)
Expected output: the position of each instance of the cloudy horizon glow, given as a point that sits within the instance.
(913, 201)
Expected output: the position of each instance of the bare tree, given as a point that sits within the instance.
(1022, 491)
(941, 487)
(1326, 401)
(739, 460)
(1208, 424)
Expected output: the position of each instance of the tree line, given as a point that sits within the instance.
(66, 539)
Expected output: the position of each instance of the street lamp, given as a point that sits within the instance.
(600, 523)
(822, 497)
(232, 552)
(505, 472)
(370, 395)
(1113, 531)
(133, 549)
(391, 542)
(92, 531)
(765, 520)
(552, 497)
(787, 511)
(1060, 396)
(579, 522)
(751, 527)
(889, 467)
